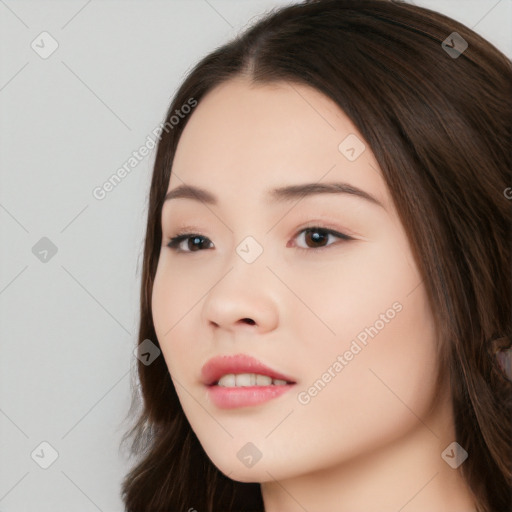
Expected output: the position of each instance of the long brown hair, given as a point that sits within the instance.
(439, 125)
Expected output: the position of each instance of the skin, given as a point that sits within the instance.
(371, 439)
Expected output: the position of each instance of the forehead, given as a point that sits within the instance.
(246, 138)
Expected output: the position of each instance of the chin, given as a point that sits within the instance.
(246, 477)
(229, 465)
(243, 475)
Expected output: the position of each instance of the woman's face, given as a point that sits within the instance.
(346, 321)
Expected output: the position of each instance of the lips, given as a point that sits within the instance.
(219, 366)
(241, 396)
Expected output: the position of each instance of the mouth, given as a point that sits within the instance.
(242, 381)
(232, 380)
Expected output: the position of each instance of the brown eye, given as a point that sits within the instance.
(195, 242)
(317, 238)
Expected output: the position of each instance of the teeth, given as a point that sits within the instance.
(245, 379)
(248, 379)
(263, 380)
(227, 381)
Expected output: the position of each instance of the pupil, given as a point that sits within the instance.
(316, 235)
(193, 241)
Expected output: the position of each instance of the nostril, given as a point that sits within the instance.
(249, 321)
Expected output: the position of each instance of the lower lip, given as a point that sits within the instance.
(245, 396)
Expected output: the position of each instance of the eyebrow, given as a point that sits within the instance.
(281, 194)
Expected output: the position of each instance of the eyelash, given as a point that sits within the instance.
(175, 241)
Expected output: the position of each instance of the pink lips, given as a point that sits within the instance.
(229, 398)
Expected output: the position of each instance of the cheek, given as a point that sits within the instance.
(378, 310)
(342, 295)
(171, 302)
(380, 394)
(373, 399)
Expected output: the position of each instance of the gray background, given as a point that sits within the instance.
(67, 123)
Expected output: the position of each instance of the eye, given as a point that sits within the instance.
(314, 235)
(194, 241)
(317, 236)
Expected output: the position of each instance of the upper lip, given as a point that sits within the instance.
(218, 366)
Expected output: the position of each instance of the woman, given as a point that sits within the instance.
(327, 271)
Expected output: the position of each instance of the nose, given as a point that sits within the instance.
(243, 298)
